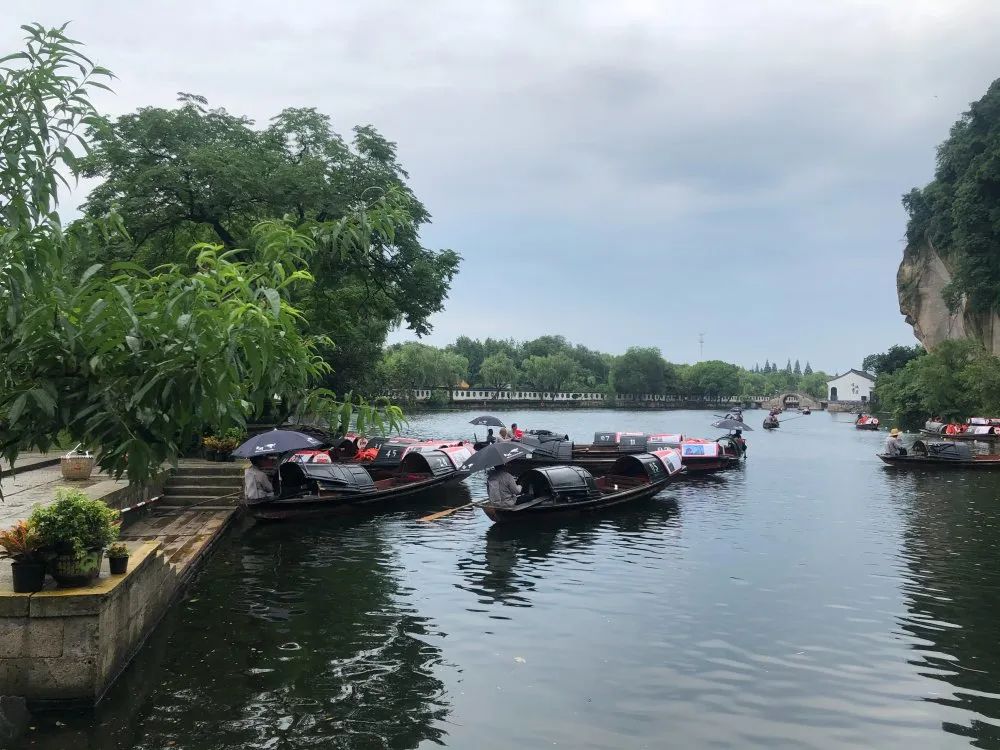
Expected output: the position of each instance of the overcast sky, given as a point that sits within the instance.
(623, 173)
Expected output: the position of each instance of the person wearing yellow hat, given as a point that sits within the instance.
(894, 444)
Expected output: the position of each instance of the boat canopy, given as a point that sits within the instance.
(671, 459)
(980, 429)
(937, 427)
(945, 451)
(433, 462)
(555, 447)
(639, 465)
(626, 442)
(658, 442)
(347, 478)
(700, 450)
(565, 484)
(390, 453)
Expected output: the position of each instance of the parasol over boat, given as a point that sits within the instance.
(487, 421)
(732, 424)
(496, 454)
(274, 442)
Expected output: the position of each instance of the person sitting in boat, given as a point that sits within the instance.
(740, 441)
(504, 435)
(490, 437)
(257, 487)
(516, 433)
(894, 444)
(951, 429)
(502, 488)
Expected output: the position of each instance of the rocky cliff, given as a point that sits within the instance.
(922, 276)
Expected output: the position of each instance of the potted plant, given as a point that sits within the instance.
(211, 446)
(23, 546)
(76, 529)
(118, 559)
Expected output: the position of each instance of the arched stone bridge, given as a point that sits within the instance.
(791, 401)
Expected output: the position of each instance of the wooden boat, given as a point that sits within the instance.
(307, 489)
(771, 422)
(944, 456)
(384, 462)
(700, 455)
(982, 429)
(866, 422)
(806, 412)
(559, 491)
(599, 456)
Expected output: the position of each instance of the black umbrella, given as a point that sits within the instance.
(732, 424)
(487, 421)
(495, 454)
(276, 441)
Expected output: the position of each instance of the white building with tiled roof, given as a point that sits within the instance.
(853, 385)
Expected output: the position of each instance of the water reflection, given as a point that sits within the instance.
(515, 557)
(952, 591)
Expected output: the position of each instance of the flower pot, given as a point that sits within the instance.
(118, 565)
(28, 576)
(77, 467)
(72, 570)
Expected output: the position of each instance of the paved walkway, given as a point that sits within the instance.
(27, 490)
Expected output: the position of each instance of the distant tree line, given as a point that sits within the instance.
(551, 364)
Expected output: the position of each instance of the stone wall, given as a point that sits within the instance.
(66, 646)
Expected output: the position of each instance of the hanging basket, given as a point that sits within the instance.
(77, 467)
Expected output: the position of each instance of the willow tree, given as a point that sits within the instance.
(137, 363)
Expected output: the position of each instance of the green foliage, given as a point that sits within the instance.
(139, 363)
(75, 523)
(550, 372)
(413, 365)
(193, 173)
(498, 370)
(20, 542)
(640, 371)
(892, 360)
(959, 379)
(957, 213)
(714, 378)
(118, 550)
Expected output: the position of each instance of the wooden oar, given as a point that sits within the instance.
(449, 511)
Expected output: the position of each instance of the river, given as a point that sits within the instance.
(812, 599)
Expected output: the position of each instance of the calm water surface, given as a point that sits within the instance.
(813, 599)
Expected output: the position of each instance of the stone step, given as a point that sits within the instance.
(208, 469)
(189, 500)
(202, 490)
(208, 480)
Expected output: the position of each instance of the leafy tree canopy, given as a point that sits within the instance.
(641, 370)
(136, 364)
(498, 370)
(958, 212)
(195, 173)
(892, 360)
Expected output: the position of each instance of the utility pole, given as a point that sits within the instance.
(701, 346)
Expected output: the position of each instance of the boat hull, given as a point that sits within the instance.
(564, 510)
(599, 465)
(873, 427)
(332, 503)
(986, 463)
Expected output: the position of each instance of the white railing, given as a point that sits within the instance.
(459, 395)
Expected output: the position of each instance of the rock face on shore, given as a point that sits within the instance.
(922, 276)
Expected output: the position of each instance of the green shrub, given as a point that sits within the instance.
(75, 523)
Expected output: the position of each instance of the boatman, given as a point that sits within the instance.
(501, 488)
(257, 487)
(894, 444)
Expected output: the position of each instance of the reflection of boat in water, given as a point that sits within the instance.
(571, 490)
(310, 489)
(985, 429)
(943, 455)
(549, 449)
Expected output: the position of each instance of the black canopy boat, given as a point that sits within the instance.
(312, 489)
(943, 455)
(556, 491)
(598, 457)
